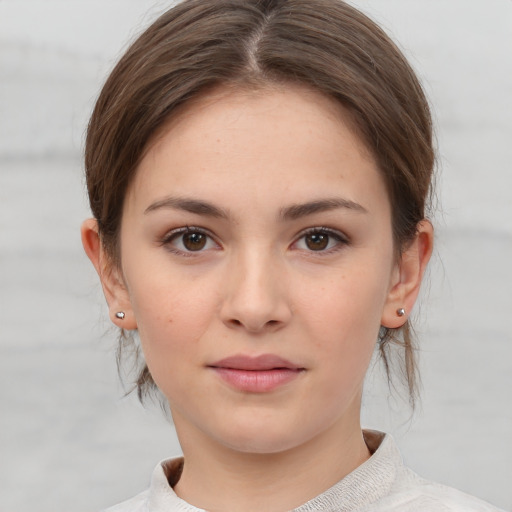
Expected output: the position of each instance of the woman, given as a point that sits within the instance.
(258, 174)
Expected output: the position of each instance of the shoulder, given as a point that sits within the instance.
(412, 493)
(160, 496)
(402, 490)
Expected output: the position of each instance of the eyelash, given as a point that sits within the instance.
(340, 239)
(173, 235)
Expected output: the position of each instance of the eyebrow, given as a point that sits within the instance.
(292, 212)
(322, 205)
(189, 205)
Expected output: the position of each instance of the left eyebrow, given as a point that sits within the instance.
(296, 211)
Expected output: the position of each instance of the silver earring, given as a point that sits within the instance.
(400, 312)
(120, 315)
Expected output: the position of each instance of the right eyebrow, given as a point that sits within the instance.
(297, 211)
(189, 205)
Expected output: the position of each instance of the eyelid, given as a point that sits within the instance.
(339, 236)
(175, 233)
(324, 229)
(169, 235)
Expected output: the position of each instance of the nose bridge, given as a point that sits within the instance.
(257, 294)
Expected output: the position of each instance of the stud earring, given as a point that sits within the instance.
(120, 315)
(400, 312)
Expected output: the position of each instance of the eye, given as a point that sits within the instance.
(194, 241)
(320, 240)
(189, 239)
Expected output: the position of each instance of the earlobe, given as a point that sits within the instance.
(407, 277)
(114, 289)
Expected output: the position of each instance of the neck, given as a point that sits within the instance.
(218, 478)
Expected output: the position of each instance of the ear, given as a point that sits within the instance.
(114, 289)
(407, 277)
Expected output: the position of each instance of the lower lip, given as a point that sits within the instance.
(257, 381)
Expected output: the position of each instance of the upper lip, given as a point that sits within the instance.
(255, 363)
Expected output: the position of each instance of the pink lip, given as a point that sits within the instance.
(256, 374)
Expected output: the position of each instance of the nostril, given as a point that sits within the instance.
(270, 324)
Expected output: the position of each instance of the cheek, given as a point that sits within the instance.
(169, 332)
(172, 314)
(344, 326)
(342, 319)
(348, 306)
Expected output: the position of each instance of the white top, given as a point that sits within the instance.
(381, 484)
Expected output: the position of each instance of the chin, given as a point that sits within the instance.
(261, 445)
(263, 438)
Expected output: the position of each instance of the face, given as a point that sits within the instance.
(258, 262)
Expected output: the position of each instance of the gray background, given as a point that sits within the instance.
(69, 441)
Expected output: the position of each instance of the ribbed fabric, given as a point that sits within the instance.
(381, 484)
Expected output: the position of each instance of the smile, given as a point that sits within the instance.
(260, 374)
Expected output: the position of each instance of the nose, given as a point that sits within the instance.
(256, 297)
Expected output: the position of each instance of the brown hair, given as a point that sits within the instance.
(324, 44)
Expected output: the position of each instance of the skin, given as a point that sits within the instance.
(259, 285)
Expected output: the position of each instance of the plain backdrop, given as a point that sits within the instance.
(69, 441)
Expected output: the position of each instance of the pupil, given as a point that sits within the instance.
(194, 241)
(317, 242)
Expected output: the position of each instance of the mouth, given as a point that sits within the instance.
(259, 374)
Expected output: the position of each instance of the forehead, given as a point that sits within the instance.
(269, 102)
(286, 137)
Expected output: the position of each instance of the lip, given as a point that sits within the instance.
(260, 374)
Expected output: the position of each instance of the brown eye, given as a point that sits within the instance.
(185, 241)
(317, 241)
(194, 241)
(321, 240)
